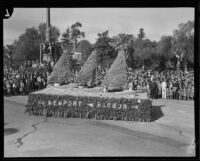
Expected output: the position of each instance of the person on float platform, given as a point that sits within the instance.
(163, 87)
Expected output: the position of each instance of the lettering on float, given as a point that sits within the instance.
(77, 103)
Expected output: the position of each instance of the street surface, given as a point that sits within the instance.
(170, 134)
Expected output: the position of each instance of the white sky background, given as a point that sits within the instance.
(155, 21)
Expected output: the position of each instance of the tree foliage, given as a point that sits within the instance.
(125, 42)
(165, 46)
(27, 46)
(55, 33)
(184, 40)
(73, 34)
(84, 47)
(8, 55)
(122, 41)
(104, 50)
(139, 51)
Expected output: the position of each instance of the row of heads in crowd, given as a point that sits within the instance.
(137, 76)
(171, 77)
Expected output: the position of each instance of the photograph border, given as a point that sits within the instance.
(122, 4)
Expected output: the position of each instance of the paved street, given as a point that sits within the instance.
(170, 134)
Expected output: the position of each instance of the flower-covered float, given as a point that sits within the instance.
(112, 100)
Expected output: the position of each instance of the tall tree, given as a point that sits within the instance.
(104, 49)
(84, 47)
(122, 41)
(8, 55)
(76, 34)
(73, 34)
(125, 42)
(165, 47)
(184, 41)
(27, 46)
(67, 35)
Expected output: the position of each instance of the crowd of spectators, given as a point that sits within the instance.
(32, 76)
(173, 84)
(29, 77)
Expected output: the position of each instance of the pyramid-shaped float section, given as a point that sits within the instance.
(62, 71)
(88, 71)
(116, 77)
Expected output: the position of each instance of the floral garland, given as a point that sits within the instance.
(102, 108)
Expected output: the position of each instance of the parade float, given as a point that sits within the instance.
(112, 100)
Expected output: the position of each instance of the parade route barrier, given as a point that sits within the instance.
(57, 103)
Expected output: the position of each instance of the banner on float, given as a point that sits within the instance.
(93, 103)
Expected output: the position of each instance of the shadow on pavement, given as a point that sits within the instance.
(157, 112)
(9, 131)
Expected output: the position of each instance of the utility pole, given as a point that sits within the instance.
(48, 32)
(48, 57)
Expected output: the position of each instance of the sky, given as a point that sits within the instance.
(155, 21)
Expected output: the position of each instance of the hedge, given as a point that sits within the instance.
(89, 107)
(117, 76)
(87, 72)
(62, 71)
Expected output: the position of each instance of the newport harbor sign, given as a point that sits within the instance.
(100, 103)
